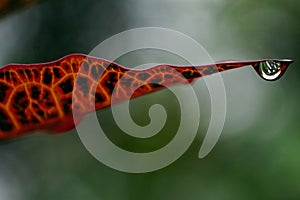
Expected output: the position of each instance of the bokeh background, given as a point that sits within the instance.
(257, 156)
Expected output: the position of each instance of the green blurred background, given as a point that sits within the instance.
(257, 156)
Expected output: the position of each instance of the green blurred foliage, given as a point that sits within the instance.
(256, 161)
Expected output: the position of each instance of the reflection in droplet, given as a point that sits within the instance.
(269, 70)
(272, 69)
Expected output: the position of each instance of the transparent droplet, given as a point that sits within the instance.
(270, 70)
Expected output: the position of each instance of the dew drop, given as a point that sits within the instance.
(270, 70)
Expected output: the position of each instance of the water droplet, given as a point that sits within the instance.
(270, 70)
